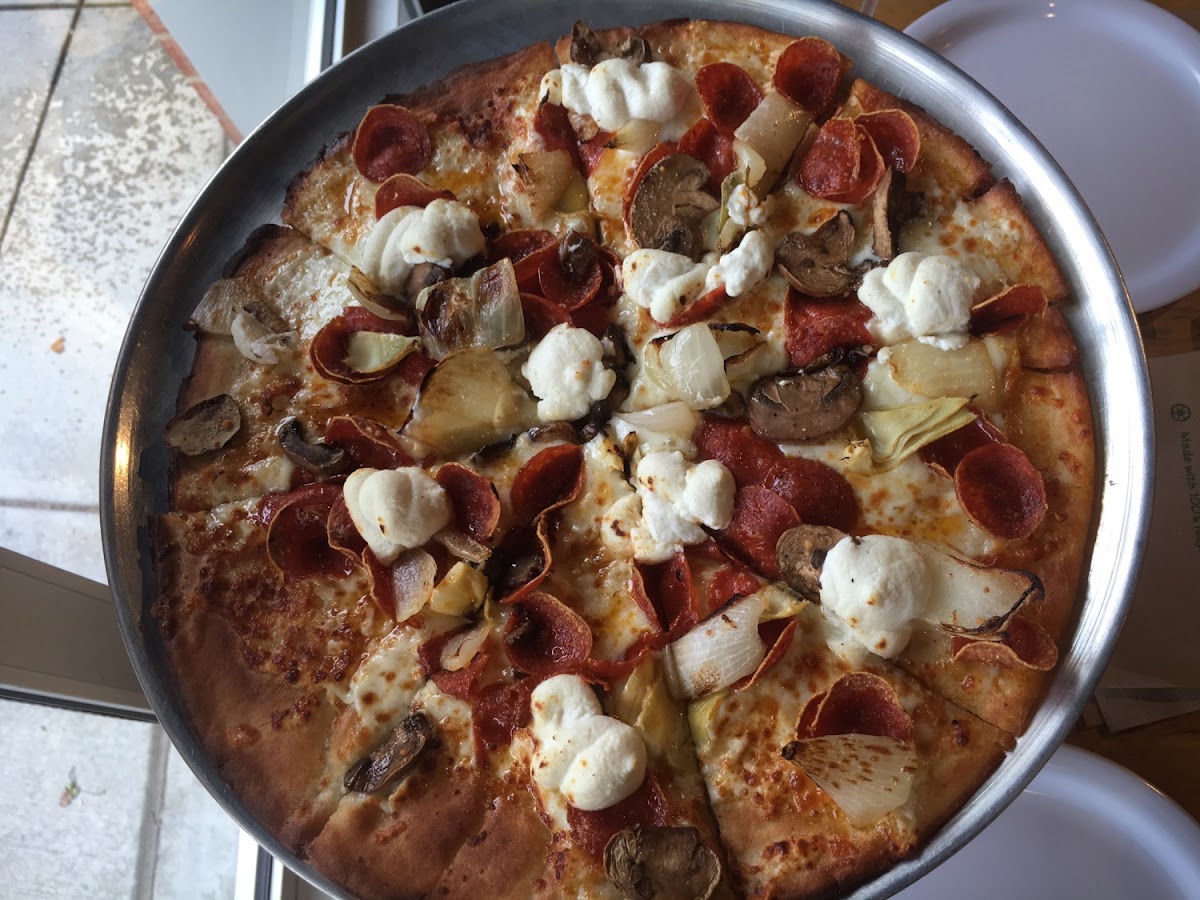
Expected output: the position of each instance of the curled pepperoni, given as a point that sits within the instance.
(521, 562)
(498, 710)
(298, 533)
(944, 454)
(591, 831)
(733, 580)
(668, 591)
(414, 367)
(462, 683)
(895, 135)
(820, 494)
(342, 534)
(843, 164)
(704, 307)
(554, 125)
(527, 249)
(593, 317)
(1001, 491)
(733, 443)
(1007, 310)
(711, 147)
(544, 636)
(760, 516)
(728, 94)
(1025, 645)
(541, 315)
(405, 190)
(474, 500)
(550, 480)
(857, 703)
(591, 150)
(777, 636)
(331, 344)
(809, 72)
(390, 140)
(656, 153)
(817, 327)
(369, 444)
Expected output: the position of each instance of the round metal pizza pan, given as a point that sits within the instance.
(248, 190)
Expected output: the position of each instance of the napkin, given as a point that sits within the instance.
(1154, 672)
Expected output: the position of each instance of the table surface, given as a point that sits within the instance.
(1164, 753)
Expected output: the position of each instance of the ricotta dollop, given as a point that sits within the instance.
(396, 509)
(445, 233)
(617, 90)
(919, 296)
(567, 373)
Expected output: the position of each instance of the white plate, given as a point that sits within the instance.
(1112, 89)
(1084, 827)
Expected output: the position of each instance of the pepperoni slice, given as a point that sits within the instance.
(1001, 491)
(668, 590)
(1007, 310)
(728, 95)
(809, 72)
(551, 479)
(474, 499)
(778, 636)
(733, 580)
(895, 135)
(557, 286)
(843, 164)
(760, 516)
(341, 533)
(593, 317)
(544, 636)
(369, 444)
(462, 683)
(541, 315)
(944, 454)
(499, 710)
(527, 249)
(330, 344)
(521, 562)
(553, 123)
(657, 152)
(1026, 645)
(704, 307)
(817, 327)
(732, 442)
(298, 533)
(405, 190)
(390, 140)
(707, 144)
(591, 150)
(820, 494)
(591, 831)
(414, 367)
(857, 703)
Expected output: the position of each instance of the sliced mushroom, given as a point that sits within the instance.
(800, 553)
(577, 255)
(602, 410)
(422, 276)
(207, 426)
(391, 760)
(669, 203)
(648, 862)
(893, 206)
(804, 406)
(554, 431)
(586, 49)
(317, 457)
(816, 263)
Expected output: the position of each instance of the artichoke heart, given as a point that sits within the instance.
(901, 431)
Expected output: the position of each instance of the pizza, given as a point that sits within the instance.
(655, 465)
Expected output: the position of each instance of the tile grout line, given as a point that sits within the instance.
(37, 131)
(152, 812)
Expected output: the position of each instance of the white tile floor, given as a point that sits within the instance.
(102, 146)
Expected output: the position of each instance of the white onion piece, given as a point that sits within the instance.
(551, 181)
(256, 341)
(865, 775)
(748, 161)
(774, 129)
(458, 652)
(636, 136)
(468, 402)
(374, 351)
(675, 416)
(929, 371)
(365, 292)
(221, 302)
(967, 598)
(483, 310)
(693, 362)
(462, 545)
(413, 575)
(722, 649)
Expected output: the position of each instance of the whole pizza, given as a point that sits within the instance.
(650, 466)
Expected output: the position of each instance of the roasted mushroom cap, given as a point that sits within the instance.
(322, 459)
(816, 263)
(800, 553)
(397, 754)
(422, 276)
(804, 406)
(207, 426)
(669, 203)
(649, 862)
